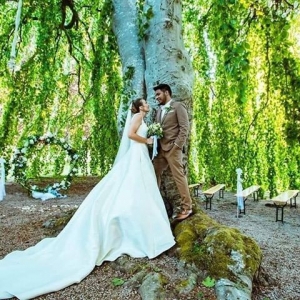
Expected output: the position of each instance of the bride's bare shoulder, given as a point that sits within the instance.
(137, 116)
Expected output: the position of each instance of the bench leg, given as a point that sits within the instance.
(208, 200)
(255, 196)
(293, 200)
(221, 193)
(196, 191)
(277, 210)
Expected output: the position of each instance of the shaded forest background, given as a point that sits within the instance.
(66, 80)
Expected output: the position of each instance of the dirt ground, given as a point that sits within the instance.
(22, 217)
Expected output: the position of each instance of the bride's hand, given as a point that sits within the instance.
(149, 141)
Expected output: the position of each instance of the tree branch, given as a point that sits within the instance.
(75, 17)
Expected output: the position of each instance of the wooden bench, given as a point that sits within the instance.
(195, 187)
(281, 200)
(248, 192)
(209, 194)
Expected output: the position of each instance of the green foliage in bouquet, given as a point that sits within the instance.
(155, 129)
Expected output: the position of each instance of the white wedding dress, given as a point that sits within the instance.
(123, 214)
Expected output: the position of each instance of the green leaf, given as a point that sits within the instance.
(117, 281)
(209, 282)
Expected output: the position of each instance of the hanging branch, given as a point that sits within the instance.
(57, 39)
(89, 36)
(78, 63)
(12, 61)
(206, 16)
(75, 18)
(289, 4)
(6, 36)
(248, 20)
(277, 4)
(267, 90)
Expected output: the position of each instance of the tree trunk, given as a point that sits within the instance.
(131, 52)
(166, 58)
(167, 61)
(158, 55)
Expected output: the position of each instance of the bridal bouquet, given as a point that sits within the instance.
(155, 129)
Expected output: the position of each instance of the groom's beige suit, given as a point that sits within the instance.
(175, 125)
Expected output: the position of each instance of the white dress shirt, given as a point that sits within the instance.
(163, 109)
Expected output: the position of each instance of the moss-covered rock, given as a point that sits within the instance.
(222, 251)
(152, 287)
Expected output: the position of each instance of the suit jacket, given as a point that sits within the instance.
(175, 125)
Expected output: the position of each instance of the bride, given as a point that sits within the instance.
(123, 214)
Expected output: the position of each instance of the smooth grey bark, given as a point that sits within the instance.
(167, 61)
(131, 53)
(161, 55)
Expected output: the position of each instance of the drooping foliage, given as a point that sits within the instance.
(66, 79)
(246, 99)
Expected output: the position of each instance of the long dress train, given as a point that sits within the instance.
(123, 214)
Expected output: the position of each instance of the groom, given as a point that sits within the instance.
(173, 118)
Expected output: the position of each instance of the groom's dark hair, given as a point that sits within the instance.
(164, 87)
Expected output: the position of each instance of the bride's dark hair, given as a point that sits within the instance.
(135, 105)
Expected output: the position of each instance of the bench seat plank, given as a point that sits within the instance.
(253, 189)
(281, 200)
(214, 189)
(284, 197)
(250, 190)
(211, 191)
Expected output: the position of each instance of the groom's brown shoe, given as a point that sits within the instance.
(183, 215)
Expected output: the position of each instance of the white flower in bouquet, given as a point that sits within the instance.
(155, 129)
(49, 135)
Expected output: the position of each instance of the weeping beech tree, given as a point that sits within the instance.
(79, 63)
(150, 40)
(152, 51)
(245, 89)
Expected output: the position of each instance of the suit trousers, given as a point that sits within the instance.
(173, 159)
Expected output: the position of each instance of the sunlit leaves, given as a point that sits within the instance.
(239, 111)
(246, 98)
(60, 74)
